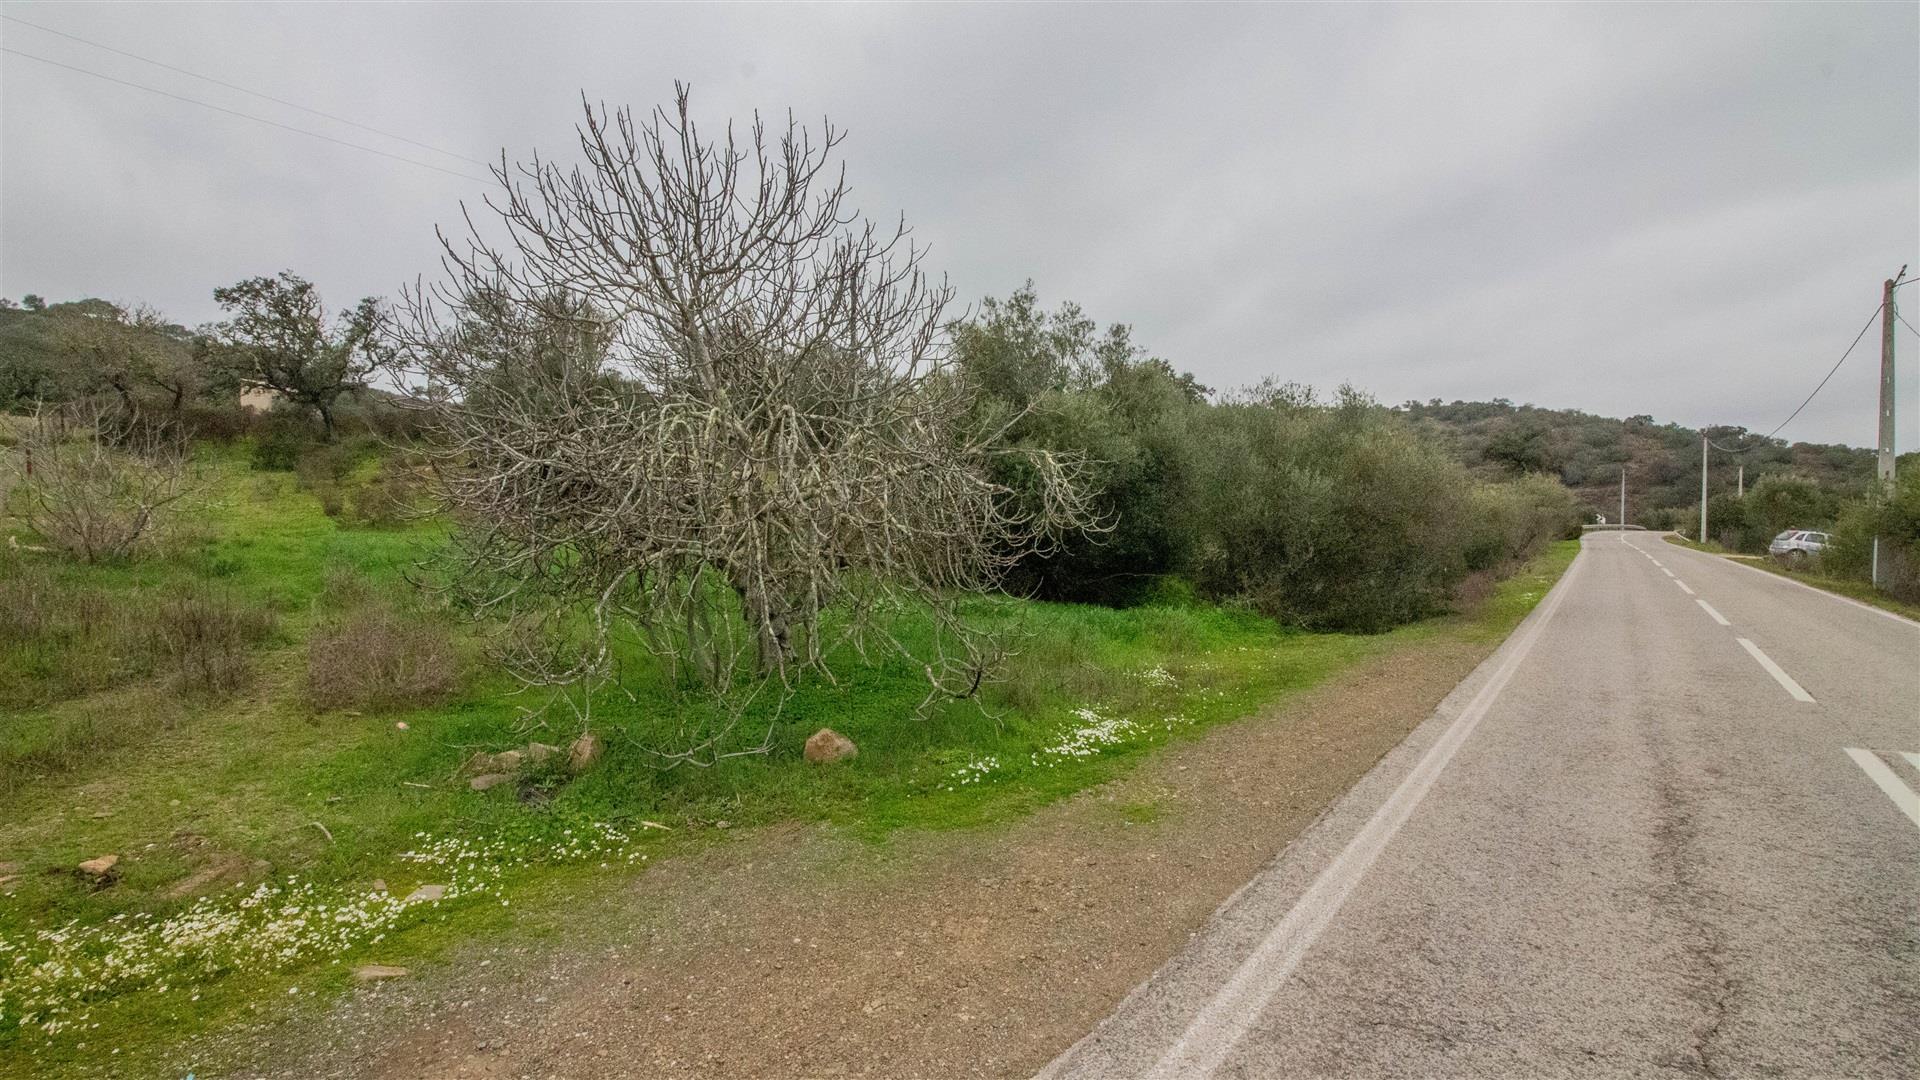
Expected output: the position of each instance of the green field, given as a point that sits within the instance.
(252, 827)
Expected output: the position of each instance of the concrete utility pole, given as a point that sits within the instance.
(1885, 463)
(1886, 379)
(1740, 482)
(1703, 487)
(1623, 496)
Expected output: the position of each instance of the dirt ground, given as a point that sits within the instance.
(798, 952)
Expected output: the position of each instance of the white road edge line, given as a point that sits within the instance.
(1683, 586)
(1773, 669)
(1225, 1019)
(1883, 612)
(1717, 617)
(1876, 770)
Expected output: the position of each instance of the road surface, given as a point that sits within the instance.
(1669, 828)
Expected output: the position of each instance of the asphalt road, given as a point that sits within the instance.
(1669, 828)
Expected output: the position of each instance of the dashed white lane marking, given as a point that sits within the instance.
(1773, 669)
(1717, 617)
(1666, 571)
(1876, 770)
(1913, 759)
(1232, 1012)
(1683, 586)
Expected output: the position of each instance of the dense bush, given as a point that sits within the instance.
(1893, 517)
(1337, 516)
(1051, 380)
(1333, 515)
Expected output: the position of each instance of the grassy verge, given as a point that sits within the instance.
(266, 848)
(1850, 588)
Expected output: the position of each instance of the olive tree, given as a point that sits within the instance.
(683, 392)
(279, 335)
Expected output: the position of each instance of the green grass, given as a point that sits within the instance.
(257, 787)
(1851, 588)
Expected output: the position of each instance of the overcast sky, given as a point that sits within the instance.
(1682, 210)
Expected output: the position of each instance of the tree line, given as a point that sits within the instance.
(694, 403)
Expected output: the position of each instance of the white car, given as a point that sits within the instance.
(1797, 545)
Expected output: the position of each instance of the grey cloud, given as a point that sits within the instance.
(1678, 209)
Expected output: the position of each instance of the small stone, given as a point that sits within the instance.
(425, 893)
(376, 972)
(584, 752)
(537, 752)
(99, 868)
(487, 780)
(507, 761)
(379, 885)
(102, 815)
(828, 745)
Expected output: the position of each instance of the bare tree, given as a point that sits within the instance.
(98, 482)
(693, 397)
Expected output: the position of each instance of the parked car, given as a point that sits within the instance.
(1797, 545)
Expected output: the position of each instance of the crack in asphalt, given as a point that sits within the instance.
(1682, 897)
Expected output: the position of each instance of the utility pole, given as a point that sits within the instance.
(1703, 487)
(1623, 496)
(1740, 481)
(1886, 379)
(1885, 463)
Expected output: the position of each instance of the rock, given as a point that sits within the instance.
(487, 780)
(584, 752)
(505, 761)
(379, 885)
(425, 893)
(376, 972)
(537, 752)
(99, 869)
(828, 745)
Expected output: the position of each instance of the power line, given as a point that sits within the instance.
(1830, 371)
(245, 90)
(247, 116)
(1903, 318)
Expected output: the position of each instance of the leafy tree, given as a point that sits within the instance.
(278, 335)
(1054, 381)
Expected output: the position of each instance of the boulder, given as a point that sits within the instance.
(487, 780)
(376, 972)
(537, 752)
(584, 752)
(828, 745)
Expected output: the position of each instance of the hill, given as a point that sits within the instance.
(1662, 460)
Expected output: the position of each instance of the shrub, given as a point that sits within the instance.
(1331, 517)
(280, 438)
(100, 484)
(208, 639)
(1893, 517)
(60, 640)
(395, 494)
(375, 656)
